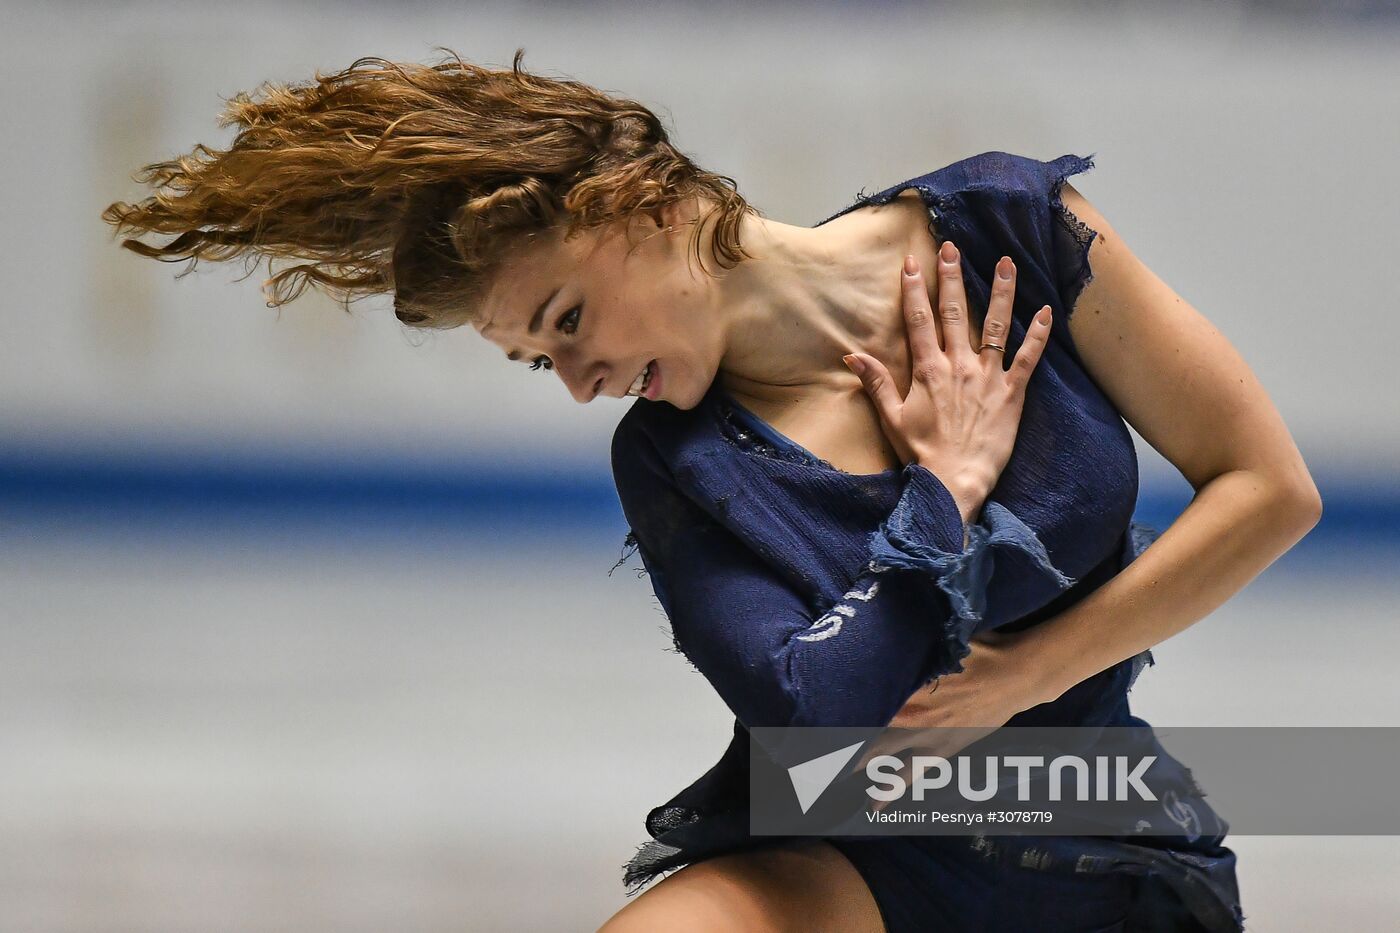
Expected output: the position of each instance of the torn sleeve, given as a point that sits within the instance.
(776, 661)
(919, 537)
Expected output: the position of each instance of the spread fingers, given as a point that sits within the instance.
(1031, 349)
(920, 323)
(998, 321)
(952, 303)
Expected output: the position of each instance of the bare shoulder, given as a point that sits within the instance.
(1170, 371)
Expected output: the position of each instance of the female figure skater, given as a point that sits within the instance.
(824, 536)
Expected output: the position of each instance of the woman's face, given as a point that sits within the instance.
(598, 316)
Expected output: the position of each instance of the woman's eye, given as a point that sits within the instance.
(568, 324)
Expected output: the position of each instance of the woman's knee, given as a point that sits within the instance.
(771, 890)
(714, 896)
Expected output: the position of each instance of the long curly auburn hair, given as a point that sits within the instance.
(416, 180)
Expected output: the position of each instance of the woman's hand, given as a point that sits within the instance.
(961, 414)
(997, 682)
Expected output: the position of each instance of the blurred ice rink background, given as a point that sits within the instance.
(308, 622)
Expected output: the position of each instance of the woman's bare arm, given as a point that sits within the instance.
(1185, 389)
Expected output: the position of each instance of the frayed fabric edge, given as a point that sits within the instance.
(646, 865)
(1082, 234)
(962, 575)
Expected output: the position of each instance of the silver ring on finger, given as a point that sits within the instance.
(992, 346)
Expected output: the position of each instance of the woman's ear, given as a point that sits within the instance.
(667, 215)
(680, 214)
(664, 221)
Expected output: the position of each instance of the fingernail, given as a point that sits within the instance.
(949, 252)
(855, 363)
(1004, 269)
(910, 266)
(1043, 317)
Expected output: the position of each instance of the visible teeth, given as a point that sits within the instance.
(639, 384)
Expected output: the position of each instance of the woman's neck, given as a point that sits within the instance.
(810, 295)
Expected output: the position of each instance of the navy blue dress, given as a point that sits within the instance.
(811, 596)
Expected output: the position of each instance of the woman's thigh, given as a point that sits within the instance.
(806, 886)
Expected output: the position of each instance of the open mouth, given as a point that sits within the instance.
(643, 380)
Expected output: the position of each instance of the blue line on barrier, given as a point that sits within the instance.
(267, 490)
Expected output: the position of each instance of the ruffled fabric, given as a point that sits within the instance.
(918, 536)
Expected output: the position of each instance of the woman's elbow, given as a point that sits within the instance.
(1289, 488)
(1299, 498)
(1310, 503)
(1310, 508)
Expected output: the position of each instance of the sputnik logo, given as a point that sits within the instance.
(811, 778)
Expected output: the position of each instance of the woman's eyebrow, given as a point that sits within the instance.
(536, 319)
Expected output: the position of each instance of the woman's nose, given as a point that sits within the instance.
(585, 382)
